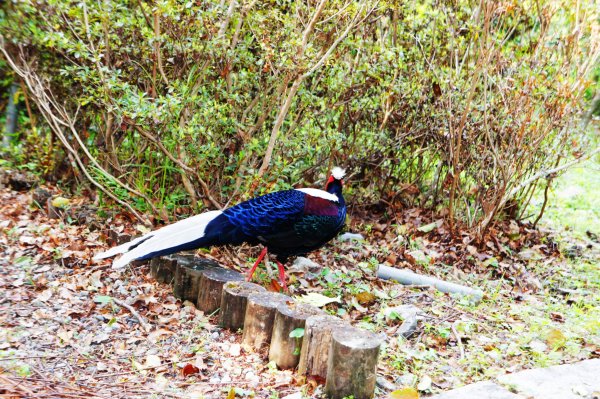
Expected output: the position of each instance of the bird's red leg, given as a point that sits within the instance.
(258, 260)
(282, 276)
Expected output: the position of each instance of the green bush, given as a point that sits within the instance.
(196, 104)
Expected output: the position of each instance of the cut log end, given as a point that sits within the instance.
(188, 273)
(316, 344)
(258, 322)
(352, 363)
(211, 288)
(285, 349)
(163, 268)
(234, 301)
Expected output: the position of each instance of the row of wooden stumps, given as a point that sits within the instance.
(345, 356)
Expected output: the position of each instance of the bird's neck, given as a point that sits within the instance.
(335, 187)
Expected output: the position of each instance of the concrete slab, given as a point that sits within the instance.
(568, 381)
(479, 390)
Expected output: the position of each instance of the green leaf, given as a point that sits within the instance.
(404, 393)
(297, 333)
(428, 227)
(60, 202)
(102, 299)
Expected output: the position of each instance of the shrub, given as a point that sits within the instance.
(462, 107)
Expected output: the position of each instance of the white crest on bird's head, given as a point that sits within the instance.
(338, 173)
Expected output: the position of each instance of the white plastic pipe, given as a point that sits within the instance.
(407, 277)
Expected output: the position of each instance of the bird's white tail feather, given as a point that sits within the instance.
(173, 235)
(121, 248)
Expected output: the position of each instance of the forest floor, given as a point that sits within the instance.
(71, 327)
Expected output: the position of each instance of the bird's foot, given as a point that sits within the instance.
(258, 260)
(282, 277)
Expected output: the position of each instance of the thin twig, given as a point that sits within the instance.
(461, 348)
(134, 312)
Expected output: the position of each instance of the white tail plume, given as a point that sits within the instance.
(173, 235)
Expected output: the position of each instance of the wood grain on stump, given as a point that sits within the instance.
(316, 344)
(352, 363)
(285, 350)
(211, 288)
(188, 273)
(233, 303)
(258, 323)
(163, 268)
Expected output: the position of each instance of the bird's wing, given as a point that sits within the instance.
(269, 214)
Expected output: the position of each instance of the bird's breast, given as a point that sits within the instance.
(320, 207)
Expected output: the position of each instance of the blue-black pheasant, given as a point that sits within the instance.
(287, 223)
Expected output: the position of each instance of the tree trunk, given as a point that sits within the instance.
(258, 323)
(11, 117)
(285, 350)
(211, 288)
(352, 363)
(316, 344)
(234, 301)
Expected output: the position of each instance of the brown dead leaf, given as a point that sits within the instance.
(274, 286)
(189, 369)
(157, 334)
(365, 298)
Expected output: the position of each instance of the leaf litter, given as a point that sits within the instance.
(71, 327)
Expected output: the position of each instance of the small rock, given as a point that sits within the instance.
(235, 350)
(295, 395)
(538, 346)
(425, 383)
(574, 251)
(302, 264)
(351, 237)
(214, 335)
(40, 196)
(409, 326)
(250, 376)
(20, 181)
(406, 380)
(226, 379)
(404, 311)
(384, 384)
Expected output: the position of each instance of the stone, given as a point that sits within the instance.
(302, 265)
(351, 237)
(556, 382)
(479, 390)
(408, 327)
(385, 385)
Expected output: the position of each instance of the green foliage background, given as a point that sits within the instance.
(453, 105)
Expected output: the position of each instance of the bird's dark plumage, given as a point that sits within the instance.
(288, 223)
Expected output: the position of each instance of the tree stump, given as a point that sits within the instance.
(162, 269)
(258, 323)
(316, 344)
(234, 301)
(352, 363)
(285, 350)
(188, 273)
(210, 289)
